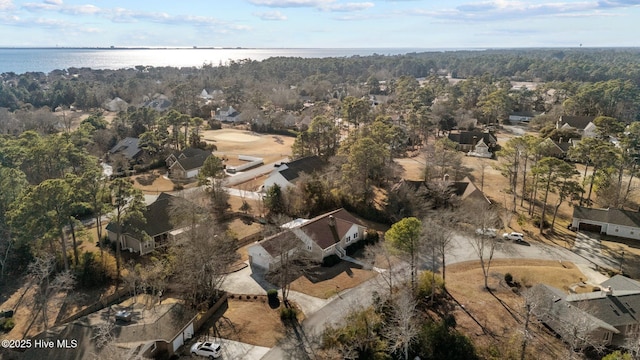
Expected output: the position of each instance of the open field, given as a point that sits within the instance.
(232, 142)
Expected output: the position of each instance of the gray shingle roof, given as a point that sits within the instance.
(308, 165)
(611, 216)
(193, 162)
(156, 215)
(129, 147)
(467, 137)
(576, 122)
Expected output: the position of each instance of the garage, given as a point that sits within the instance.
(590, 227)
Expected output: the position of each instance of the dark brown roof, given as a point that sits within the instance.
(576, 122)
(319, 230)
(308, 165)
(611, 216)
(468, 137)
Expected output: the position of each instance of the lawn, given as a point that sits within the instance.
(251, 321)
(495, 320)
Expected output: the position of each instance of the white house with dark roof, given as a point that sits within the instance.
(228, 115)
(325, 235)
(286, 174)
(604, 317)
(614, 222)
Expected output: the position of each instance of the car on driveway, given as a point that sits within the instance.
(209, 350)
(513, 236)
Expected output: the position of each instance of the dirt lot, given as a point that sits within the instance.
(497, 317)
(233, 142)
(251, 321)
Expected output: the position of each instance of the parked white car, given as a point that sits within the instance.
(513, 236)
(209, 350)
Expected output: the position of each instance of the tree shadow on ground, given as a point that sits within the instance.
(322, 273)
(147, 179)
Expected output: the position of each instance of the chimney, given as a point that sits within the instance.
(446, 177)
(608, 290)
(334, 231)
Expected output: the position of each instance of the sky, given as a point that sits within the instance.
(423, 24)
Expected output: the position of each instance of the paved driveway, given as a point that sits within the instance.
(233, 350)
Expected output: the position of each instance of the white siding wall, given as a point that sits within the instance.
(623, 231)
(276, 178)
(185, 335)
(259, 256)
(193, 173)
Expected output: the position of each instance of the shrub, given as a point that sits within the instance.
(425, 284)
(508, 278)
(536, 222)
(91, 272)
(330, 260)
(288, 314)
(8, 324)
(272, 293)
(372, 236)
(177, 187)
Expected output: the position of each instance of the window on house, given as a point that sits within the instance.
(348, 238)
(309, 247)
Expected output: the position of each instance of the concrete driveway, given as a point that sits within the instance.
(232, 350)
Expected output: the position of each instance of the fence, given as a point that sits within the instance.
(116, 297)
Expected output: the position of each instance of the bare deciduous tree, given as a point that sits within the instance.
(204, 257)
(438, 233)
(403, 326)
(42, 270)
(483, 217)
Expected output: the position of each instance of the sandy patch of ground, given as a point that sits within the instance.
(241, 142)
(230, 135)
